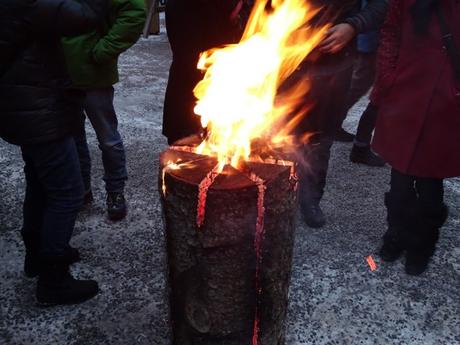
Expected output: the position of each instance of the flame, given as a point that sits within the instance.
(170, 165)
(238, 98)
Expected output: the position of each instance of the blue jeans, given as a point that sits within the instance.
(54, 194)
(101, 113)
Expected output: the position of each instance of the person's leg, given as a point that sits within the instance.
(85, 159)
(100, 111)
(431, 213)
(361, 151)
(400, 202)
(362, 80)
(57, 170)
(323, 120)
(33, 210)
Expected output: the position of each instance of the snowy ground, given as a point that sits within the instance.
(335, 298)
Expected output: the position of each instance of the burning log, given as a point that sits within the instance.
(229, 243)
(229, 217)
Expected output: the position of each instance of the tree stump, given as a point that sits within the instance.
(229, 243)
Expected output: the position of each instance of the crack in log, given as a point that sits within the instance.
(203, 193)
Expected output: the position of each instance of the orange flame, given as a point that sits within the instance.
(236, 98)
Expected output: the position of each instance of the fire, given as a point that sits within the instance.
(238, 98)
(170, 165)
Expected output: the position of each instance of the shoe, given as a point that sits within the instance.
(88, 198)
(343, 136)
(313, 215)
(416, 263)
(116, 206)
(424, 236)
(56, 286)
(364, 155)
(32, 264)
(390, 251)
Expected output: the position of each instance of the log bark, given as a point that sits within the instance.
(223, 291)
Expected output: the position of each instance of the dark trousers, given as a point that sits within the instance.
(429, 191)
(101, 113)
(416, 211)
(362, 80)
(54, 194)
(325, 98)
(366, 124)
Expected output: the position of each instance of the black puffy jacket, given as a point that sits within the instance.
(37, 103)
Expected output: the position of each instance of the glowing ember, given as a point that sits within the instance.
(236, 98)
(260, 183)
(173, 166)
(203, 193)
(371, 263)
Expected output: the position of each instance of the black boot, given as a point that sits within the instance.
(312, 214)
(424, 236)
(398, 216)
(32, 244)
(343, 136)
(31, 261)
(116, 206)
(364, 155)
(56, 285)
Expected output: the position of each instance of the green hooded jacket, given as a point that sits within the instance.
(92, 59)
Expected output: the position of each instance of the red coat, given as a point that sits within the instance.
(418, 127)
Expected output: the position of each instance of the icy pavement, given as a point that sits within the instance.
(335, 297)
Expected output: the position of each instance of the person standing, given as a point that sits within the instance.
(418, 96)
(329, 69)
(363, 75)
(38, 110)
(92, 61)
(362, 81)
(194, 27)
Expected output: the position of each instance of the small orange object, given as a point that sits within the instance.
(371, 262)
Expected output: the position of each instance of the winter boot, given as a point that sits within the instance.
(56, 285)
(116, 206)
(32, 244)
(364, 155)
(423, 236)
(343, 136)
(398, 218)
(312, 214)
(31, 261)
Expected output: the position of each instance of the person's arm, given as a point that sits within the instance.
(370, 18)
(388, 52)
(125, 31)
(67, 17)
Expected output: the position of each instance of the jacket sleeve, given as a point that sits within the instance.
(67, 17)
(388, 52)
(125, 31)
(370, 18)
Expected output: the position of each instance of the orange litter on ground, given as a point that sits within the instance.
(371, 262)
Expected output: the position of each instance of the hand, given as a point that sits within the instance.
(337, 38)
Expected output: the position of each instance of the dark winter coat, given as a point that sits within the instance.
(363, 17)
(36, 102)
(418, 126)
(193, 27)
(92, 59)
